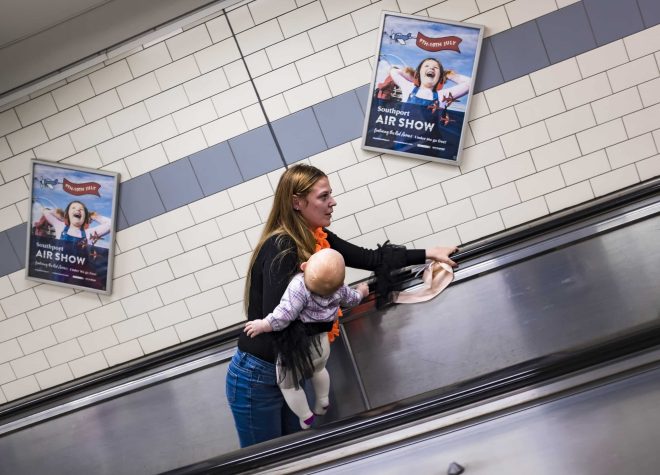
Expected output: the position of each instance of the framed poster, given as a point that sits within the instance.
(422, 86)
(71, 226)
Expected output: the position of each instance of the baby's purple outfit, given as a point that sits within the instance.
(299, 302)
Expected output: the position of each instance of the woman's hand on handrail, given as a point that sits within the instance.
(441, 254)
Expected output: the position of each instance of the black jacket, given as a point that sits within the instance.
(271, 275)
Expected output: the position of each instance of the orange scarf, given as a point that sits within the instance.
(322, 243)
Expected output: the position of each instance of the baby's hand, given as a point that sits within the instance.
(363, 289)
(256, 327)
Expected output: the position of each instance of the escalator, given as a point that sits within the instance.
(540, 323)
(603, 421)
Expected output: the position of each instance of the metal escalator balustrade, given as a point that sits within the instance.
(489, 277)
(563, 299)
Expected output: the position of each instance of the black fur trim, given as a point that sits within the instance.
(294, 346)
(392, 257)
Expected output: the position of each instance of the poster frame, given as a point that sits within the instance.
(62, 168)
(372, 88)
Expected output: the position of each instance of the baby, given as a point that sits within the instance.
(314, 295)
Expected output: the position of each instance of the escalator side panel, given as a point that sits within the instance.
(594, 289)
(598, 288)
(609, 429)
(158, 428)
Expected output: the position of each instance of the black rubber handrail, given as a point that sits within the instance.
(560, 219)
(406, 277)
(144, 365)
(433, 403)
(61, 393)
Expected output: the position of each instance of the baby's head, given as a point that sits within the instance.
(324, 272)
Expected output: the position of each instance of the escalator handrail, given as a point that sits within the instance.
(431, 404)
(226, 336)
(558, 220)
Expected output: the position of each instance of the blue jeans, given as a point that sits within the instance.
(256, 402)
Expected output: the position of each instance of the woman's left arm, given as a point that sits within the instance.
(370, 259)
(441, 254)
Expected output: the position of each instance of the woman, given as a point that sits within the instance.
(295, 229)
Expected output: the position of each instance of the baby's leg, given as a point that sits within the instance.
(321, 383)
(296, 400)
(321, 378)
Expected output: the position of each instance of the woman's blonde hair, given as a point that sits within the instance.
(284, 222)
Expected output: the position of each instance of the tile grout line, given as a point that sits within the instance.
(268, 122)
(256, 92)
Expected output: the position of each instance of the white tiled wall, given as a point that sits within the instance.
(549, 140)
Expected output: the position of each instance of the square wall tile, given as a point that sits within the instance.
(341, 118)
(139, 200)
(299, 136)
(520, 51)
(177, 184)
(488, 71)
(566, 32)
(255, 152)
(301, 19)
(613, 19)
(216, 168)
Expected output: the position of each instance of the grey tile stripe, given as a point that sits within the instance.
(513, 53)
(10, 262)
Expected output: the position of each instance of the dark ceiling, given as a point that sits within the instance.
(40, 37)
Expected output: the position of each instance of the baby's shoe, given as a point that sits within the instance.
(307, 423)
(321, 406)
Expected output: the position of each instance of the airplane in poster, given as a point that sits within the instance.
(400, 38)
(449, 100)
(48, 183)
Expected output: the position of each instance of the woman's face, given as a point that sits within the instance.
(317, 206)
(429, 74)
(77, 215)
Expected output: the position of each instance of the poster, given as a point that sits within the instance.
(71, 226)
(421, 88)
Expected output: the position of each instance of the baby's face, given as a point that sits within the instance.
(429, 73)
(77, 215)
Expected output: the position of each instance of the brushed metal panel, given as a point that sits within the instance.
(155, 429)
(610, 429)
(591, 290)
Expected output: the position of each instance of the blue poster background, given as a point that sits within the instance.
(61, 261)
(409, 133)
